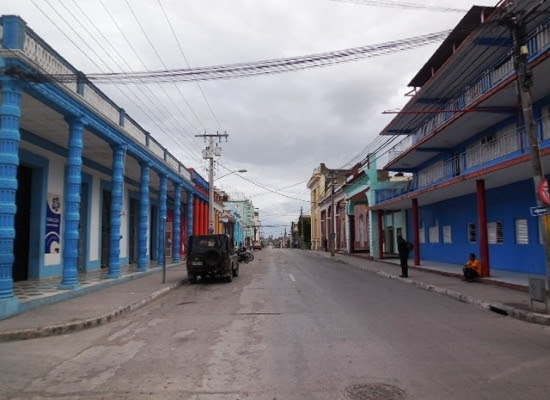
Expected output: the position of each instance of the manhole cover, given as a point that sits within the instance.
(374, 391)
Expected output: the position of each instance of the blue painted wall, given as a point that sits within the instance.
(504, 204)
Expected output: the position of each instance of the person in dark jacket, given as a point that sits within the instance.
(404, 247)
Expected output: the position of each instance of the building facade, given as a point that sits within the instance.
(83, 185)
(467, 143)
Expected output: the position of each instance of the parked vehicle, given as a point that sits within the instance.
(257, 246)
(244, 255)
(211, 255)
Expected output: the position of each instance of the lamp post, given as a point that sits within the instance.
(232, 172)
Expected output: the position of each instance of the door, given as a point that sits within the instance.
(22, 224)
(106, 229)
(133, 231)
(82, 228)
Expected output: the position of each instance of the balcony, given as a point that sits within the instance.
(505, 144)
(538, 44)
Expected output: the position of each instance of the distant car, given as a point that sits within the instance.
(257, 246)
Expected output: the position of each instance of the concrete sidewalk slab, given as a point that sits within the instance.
(91, 309)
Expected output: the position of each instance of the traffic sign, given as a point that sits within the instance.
(540, 210)
(543, 192)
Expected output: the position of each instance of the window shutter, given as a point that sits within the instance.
(522, 233)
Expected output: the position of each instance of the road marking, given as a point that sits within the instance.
(292, 278)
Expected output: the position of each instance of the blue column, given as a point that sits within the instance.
(73, 181)
(143, 217)
(10, 114)
(190, 201)
(177, 223)
(162, 218)
(119, 152)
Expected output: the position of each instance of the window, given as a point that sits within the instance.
(494, 231)
(422, 233)
(522, 233)
(447, 237)
(434, 232)
(472, 233)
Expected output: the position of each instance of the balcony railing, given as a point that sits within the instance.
(503, 143)
(50, 63)
(538, 43)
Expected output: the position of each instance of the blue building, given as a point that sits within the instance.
(82, 184)
(465, 142)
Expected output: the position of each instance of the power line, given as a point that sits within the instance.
(402, 5)
(267, 67)
(187, 63)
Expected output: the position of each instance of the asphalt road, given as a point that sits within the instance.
(294, 325)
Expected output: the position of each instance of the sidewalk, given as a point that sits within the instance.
(504, 293)
(101, 302)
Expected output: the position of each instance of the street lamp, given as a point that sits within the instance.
(232, 172)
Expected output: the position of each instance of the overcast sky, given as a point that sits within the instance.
(280, 126)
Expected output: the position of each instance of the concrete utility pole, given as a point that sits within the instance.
(524, 82)
(333, 234)
(302, 236)
(208, 154)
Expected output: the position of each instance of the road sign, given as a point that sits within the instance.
(540, 210)
(544, 194)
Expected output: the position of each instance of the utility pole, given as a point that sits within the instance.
(524, 82)
(302, 236)
(208, 154)
(333, 234)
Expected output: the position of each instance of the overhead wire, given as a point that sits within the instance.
(267, 67)
(164, 65)
(403, 5)
(90, 58)
(188, 65)
(155, 118)
(158, 122)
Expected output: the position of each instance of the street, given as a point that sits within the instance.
(293, 325)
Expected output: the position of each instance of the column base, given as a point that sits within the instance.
(69, 285)
(9, 306)
(113, 275)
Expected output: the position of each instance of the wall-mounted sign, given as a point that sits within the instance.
(53, 224)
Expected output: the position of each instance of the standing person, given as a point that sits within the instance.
(404, 247)
(472, 269)
(325, 244)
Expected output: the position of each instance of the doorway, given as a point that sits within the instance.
(82, 228)
(106, 229)
(22, 224)
(133, 234)
(153, 244)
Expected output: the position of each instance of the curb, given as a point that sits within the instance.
(533, 317)
(61, 329)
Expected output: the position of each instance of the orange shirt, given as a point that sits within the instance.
(475, 264)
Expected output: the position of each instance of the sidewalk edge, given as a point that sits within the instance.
(61, 329)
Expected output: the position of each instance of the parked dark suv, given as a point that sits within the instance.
(211, 255)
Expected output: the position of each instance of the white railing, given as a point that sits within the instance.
(97, 101)
(156, 148)
(48, 61)
(545, 125)
(172, 161)
(51, 64)
(135, 132)
(502, 72)
(543, 38)
(503, 143)
(431, 174)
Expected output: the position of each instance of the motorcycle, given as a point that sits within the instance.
(243, 255)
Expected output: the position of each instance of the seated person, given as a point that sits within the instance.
(472, 269)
